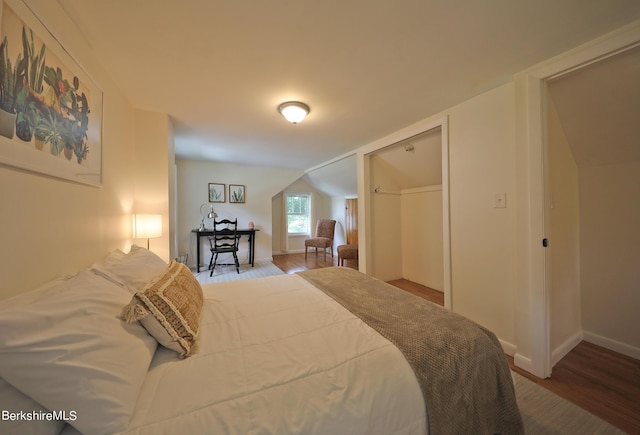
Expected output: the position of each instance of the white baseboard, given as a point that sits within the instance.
(301, 251)
(293, 251)
(508, 348)
(559, 352)
(608, 343)
(263, 259)
(523, 362)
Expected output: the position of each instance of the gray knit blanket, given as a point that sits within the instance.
(460, 366)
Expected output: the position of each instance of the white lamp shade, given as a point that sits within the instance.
(294, 111)
(147, 226)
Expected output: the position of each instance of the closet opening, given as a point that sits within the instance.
(407, 207)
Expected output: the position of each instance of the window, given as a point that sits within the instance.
(298, 213)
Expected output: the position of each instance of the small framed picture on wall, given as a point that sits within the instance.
(216, 192)
(236, 193)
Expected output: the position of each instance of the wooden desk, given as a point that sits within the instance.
(251, 232)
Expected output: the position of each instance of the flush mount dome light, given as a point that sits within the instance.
(293, 111)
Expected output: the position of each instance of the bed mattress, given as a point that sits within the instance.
(278, 356)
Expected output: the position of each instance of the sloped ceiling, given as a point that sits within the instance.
(415, 162)
(220, 68)
(599, 109)
(336, 179)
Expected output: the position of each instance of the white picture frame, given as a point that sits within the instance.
(57, 129)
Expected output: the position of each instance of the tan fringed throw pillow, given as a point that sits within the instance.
(169, 307)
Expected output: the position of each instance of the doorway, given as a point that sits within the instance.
(594, 158)
(534, 290)
(392, 175)
(351, 221)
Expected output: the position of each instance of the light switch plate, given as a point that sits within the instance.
(500, 200)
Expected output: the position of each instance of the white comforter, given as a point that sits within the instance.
(278, 356)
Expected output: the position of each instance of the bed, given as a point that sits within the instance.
(328, 351)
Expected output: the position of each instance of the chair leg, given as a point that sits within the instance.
(214, 259)
(306, 248)
(235, 257)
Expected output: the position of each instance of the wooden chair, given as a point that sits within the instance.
(323, 238)
(225, 240)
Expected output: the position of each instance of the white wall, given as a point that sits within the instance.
(564, 236)
(154, 149)
(407, 235)
(610, 255)
(338, 206)
(481, 138)
(51, 227)
(483, 238)
(384, 225)
(261, 184)
(422, 236)
(386, 236)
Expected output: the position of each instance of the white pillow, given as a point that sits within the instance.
(133, 270)
(23, 408)
(69, 351)
(101, 267)
(112, 258)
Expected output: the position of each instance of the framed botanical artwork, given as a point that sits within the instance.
(236, 193)
(216, 192)
(50, 108)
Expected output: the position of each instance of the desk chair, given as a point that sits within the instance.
(323, 238)
(225, 240)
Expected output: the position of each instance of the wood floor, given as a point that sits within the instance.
(605, 383)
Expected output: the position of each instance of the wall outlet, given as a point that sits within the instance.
(500, 200)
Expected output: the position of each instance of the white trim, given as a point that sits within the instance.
(523, 362)
(614, 345)
(262, 260)
(294, 251)
(446, 213)
(508, 348)
(329, 162)
(566, 347)
(309, 196)
(285, 217)
(364, 213)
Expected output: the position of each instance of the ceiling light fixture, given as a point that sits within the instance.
(294, 111)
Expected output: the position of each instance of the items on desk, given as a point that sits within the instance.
(250, 232)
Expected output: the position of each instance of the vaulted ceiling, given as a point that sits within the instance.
(220, 68)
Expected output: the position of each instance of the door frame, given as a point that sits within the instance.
(364, 194)
(534, 286)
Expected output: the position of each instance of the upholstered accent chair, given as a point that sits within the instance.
(323, 238)
(347, 252)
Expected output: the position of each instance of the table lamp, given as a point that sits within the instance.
(147, 226)
(210, 215)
